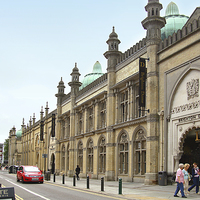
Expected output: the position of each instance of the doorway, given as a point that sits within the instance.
(52, 163)
(191, 150)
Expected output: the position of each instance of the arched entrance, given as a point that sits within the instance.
(190, 147)
(52, 163)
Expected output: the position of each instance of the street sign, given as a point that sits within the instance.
(7, 193)
(44, 155)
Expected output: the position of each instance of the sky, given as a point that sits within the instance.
(41, 40)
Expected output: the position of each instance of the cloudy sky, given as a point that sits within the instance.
(40, 41)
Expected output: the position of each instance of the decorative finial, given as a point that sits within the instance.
(33, 115)
(47, 104)
(113, 29)
(41, 108)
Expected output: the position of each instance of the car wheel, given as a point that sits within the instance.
(42, 182)
(22, 180)
(17, 179)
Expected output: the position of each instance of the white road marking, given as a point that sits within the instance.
(28, 190)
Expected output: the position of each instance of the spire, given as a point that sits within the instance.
(41, 113)
(113, 41)
(46, 109)
(75, 74)
(61, 87)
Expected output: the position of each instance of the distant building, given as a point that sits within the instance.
(126, 123)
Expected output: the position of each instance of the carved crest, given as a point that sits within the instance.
(124, 138)
(193, 89)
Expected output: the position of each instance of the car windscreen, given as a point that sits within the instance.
(31, 169)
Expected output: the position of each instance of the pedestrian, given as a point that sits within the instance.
(77, 172)
(195, 178)
(186, 178)
(180, 181)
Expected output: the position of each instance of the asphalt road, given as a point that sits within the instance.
(47, 191)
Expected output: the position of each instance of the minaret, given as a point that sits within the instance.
(112, 55)
(74, 84)
(153, 24)
(60, 95)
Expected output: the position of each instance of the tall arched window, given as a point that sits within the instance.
(123, 154)
(102, 155)
(80, 155)
(140, 152)
(90, 156)
(63, 158)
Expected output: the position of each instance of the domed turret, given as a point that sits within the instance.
(174, 21)
(89, 78)
(19, 133)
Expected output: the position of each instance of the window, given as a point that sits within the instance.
(102, 107)
(124, 106)
(67, 168)
(63, 158)
(90, 156)
(80, 155)
(67, 126)
(80, 123)
(102, 155)
(123, 154)
(62, 129)
(140, 152)
(91, 119)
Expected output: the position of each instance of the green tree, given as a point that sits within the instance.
(6, 148)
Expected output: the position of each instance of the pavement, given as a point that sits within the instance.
(129, 190)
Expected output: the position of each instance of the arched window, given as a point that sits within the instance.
(123, 154)
(80, 155)
(102, 155)
(63, 158)
(90, 156)
(140, 152)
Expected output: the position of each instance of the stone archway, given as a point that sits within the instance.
(189, 148)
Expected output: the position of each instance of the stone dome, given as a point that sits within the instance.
(89, 78)
(174, 21)
(19, 133)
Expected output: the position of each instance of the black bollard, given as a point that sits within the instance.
(102, 183)
(88, 185)
(74, 180)
(120, 186)
(54, 177)
(63, 178)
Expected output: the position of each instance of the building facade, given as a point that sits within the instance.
(103, 127)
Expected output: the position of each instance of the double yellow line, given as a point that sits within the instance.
(16, 196)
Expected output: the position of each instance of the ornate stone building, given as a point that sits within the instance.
(102, 125)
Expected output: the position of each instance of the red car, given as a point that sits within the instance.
(30, 174)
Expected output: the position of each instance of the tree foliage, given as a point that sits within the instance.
(6, 149)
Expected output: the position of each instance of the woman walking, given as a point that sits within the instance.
(180, 181)
(186, 178)
(195, 178)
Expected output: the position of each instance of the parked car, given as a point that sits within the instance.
(28, 173)
(13, 169)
